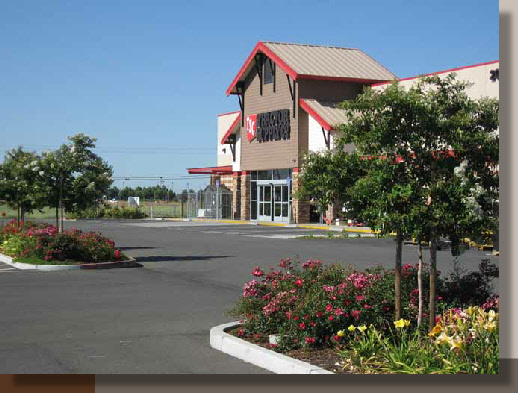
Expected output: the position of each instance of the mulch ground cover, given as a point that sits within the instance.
(326, 358)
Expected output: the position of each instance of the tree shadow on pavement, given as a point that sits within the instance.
(136, 248)
(170, 258)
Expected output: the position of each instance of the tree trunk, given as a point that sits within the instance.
(397, 273)
(22, 213)
(61, 201)
(433, 278)
(420, 283)
(57, 216)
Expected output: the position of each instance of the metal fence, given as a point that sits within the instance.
(212, 203)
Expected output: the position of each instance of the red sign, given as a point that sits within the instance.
(251, 127)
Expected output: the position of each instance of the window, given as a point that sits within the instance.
(269, 71)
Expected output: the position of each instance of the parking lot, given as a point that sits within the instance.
(156, 319)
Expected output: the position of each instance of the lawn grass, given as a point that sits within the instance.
(46, 214)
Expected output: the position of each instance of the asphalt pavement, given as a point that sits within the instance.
(156, 319)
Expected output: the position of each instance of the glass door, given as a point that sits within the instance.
(264, 202)
(277, 203)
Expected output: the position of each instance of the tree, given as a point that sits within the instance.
(74, 177)
(18, 186)
(414, 140)
(318, 179)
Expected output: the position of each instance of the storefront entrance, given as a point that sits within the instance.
(272, 200)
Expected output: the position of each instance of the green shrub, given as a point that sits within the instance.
(106, 211)
(46, 244)
(306, 304)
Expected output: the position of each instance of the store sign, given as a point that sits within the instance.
(268, 126)
(251, 127)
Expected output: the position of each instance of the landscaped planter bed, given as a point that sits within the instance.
(42, 247)
(325, 358)
(342, 320)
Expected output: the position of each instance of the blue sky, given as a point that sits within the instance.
(148, 78)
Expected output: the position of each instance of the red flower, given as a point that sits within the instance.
(329, 308)
(366, 306)
(310, 340)
(117, 254)
(331, 318)
(302, 325)
(299, 282)
(355, 314)
(360, 298)
(319, 314)
(336, 337)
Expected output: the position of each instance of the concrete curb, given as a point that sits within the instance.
(256, 355)
(52, 268)
(273, 224)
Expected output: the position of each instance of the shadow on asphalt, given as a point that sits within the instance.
(170, 258)
(136, 248)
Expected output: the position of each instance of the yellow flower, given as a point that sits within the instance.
(351, 328)
(442, 339)
(471, 310)
(401, 323)
(340, 333)
(436, 330)
(362, 328)
(456, 342)
(491, 315)
(490, 326)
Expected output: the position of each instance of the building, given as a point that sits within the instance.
(288, 105)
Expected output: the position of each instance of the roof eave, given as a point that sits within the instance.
(259, 47)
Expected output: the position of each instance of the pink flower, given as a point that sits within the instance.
(285, 263)
(355, 314)
(367, 307)
(329, 308)
(339, 312)
(288, 314)
(257, 272)
(331, 318)
(319, 314)
(302, 325)
(359, 298)
(299, 282)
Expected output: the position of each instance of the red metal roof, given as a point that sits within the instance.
(211, 170)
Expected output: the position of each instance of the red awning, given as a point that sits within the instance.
(214, 170)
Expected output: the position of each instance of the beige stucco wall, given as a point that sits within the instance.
(224, 152)
(478, 75)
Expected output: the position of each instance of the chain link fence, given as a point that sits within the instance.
(211, 203)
